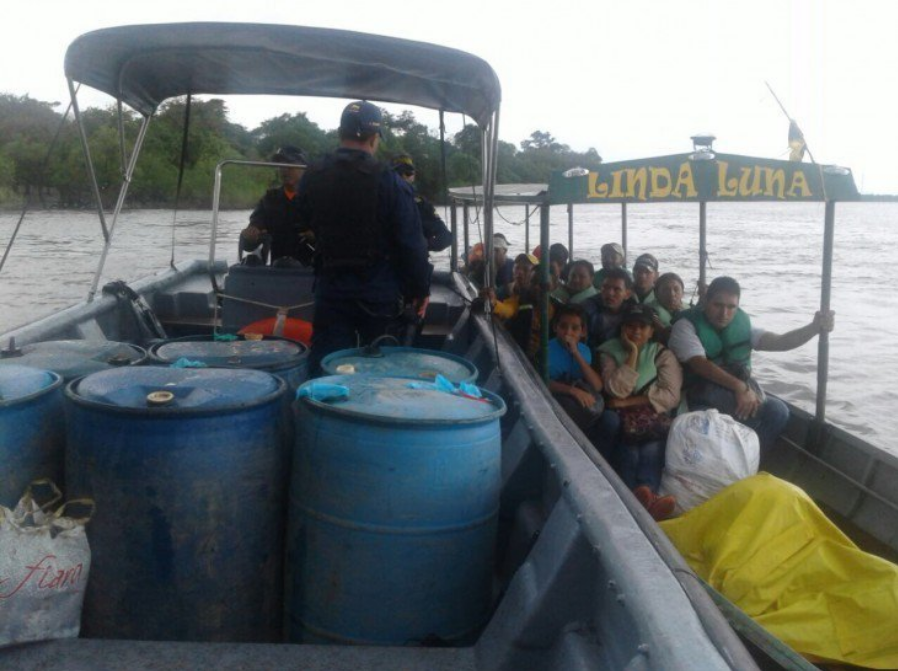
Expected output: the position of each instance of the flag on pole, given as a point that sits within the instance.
(797, 144)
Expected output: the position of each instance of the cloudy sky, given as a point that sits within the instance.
(631, 79)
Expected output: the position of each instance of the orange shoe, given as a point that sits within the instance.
(662, 507)
(645, 496)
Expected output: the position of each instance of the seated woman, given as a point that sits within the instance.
(572, 381)
(579, 283)
(642, 386)
(520, 310)
(668, 303)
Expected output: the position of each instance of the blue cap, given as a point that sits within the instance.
(361, 118)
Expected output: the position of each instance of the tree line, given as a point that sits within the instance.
(30, 172)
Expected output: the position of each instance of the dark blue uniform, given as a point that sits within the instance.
(437, 235)
(368, 262)
(278, 215)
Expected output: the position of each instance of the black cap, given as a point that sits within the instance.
(403, 164)
(290, 154)
(361, 118)
(639, 313)
(646, 261)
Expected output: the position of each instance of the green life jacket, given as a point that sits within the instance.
(581, 296)
(663, 313)
(645, 361)
(732, 345)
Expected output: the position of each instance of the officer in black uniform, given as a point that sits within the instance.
(275, 221)
(371, 257)
(438, 236)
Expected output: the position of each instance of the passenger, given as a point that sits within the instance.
(645, 274)
(714, 341)
(668, 303)
(371, 256)
(612, 257)
(579, 284)
(604, 312)
(572, 381)
(503, 267)
(475, 264)
(438, 236)
(520, 310)
(558, 262)
(276, 217)
(642, 387)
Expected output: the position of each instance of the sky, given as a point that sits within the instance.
(632, 78)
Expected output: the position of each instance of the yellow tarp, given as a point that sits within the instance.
(766, 546)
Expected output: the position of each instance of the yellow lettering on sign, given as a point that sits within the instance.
(685, 187)
(616, 191)
(661, 182)
(725, 187)
(636, 182)
(799, 184)
(597, 189)
(775, 182)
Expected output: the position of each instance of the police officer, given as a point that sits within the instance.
(275, 220)
(371, 256)
(438, 236)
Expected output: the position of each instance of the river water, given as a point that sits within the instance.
(774, 250)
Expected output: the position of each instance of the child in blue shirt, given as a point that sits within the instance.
(572, 380)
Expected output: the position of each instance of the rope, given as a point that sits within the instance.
(43, 168)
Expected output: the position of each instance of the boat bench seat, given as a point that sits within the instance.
(282, 287)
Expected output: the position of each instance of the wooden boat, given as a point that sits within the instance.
(585, 578)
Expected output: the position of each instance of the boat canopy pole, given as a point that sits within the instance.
(73, 94)
(466, 219)
(453, 227)
(702, 246)
(490, 145)
(825, 295)
(123, 191)
(623, 230)
(544, 291)
(121, 136)
(570, 230)
(527, 226)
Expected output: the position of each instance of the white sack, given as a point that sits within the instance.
(706, 451)
(44, 565)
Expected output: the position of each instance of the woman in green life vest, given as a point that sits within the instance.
(668, 303)
(642, 387)
(579, 283)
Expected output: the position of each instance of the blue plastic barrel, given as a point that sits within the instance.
(32, 430)
(188, 469)
(393, 506)
(408, 362)
(74, 358)
(285, 358)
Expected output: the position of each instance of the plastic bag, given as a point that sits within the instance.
(706, 451)
(44, 565)
(768, 548)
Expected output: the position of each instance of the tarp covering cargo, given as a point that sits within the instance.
(765, 545)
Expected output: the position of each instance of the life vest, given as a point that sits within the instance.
(646, 364)
(731, 345)
(663, 313)
(342, 193)
(292, 328)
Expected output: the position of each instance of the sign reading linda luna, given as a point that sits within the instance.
(724, 177)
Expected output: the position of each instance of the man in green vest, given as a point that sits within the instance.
(714, 341)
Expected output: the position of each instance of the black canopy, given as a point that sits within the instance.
(147, 64)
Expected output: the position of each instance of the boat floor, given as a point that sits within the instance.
(98, 655)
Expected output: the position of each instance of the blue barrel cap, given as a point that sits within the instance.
(177, 388)
(74, 358)
(393, 399)
(20, 382)
(409, 362)
(265, 353)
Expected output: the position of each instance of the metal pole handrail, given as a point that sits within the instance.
(85, 147)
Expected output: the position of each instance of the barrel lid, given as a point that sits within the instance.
(391, 398)
(18, 382)
(265, 353)
(408, 362)
(176, 388)
(74, 358)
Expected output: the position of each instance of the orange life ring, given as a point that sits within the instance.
(295, 329)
